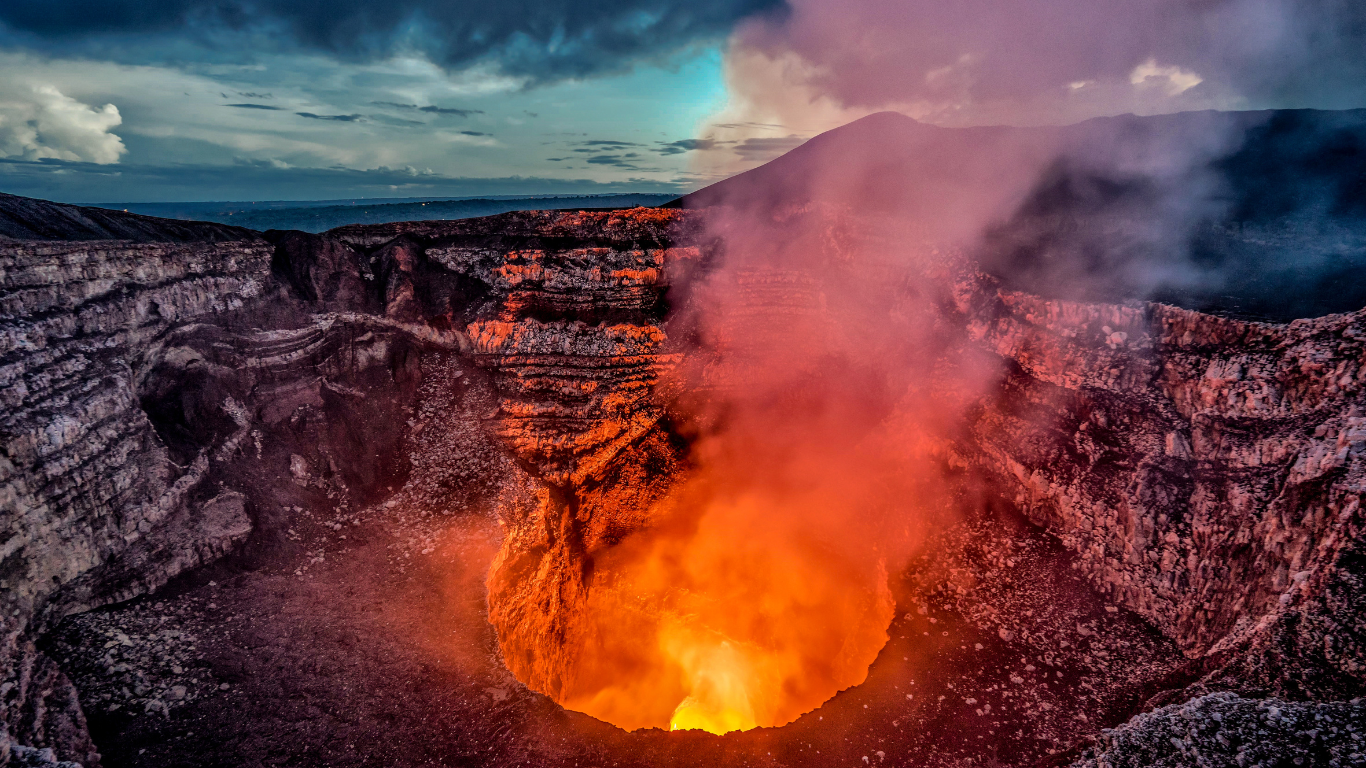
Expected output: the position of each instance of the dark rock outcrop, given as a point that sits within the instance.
(23, 218)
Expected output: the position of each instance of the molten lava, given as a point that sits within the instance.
(729, 620)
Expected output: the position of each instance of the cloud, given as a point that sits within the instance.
(607, 143)
(179, 116)
(396, 121)
(42, 123)
(541, 41)
(430, 109)
(618, 161)
(750, 125)
(338, 118)
(766, 148)
(826, 63)
(1172, 80)
(986, 61)
(450, 111)
(688, 145)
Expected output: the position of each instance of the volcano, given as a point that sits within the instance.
(916, 446)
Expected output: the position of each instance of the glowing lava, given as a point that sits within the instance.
(728, 620)
(720, 678)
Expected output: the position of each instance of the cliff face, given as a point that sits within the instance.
(1205, 472)
(1208, 473)
(85, 477)
(138, 378)
(157, 393)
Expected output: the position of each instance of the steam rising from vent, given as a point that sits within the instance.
(827, 355)
(817, 392)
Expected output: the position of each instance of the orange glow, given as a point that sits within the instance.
(742, 582)
(726, 621)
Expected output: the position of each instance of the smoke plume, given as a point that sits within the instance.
(831, 368)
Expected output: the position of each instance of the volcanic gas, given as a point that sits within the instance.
(748, 584)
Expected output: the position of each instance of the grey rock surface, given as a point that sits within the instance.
(1224, 729)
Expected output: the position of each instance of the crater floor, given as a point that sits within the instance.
(363, 640)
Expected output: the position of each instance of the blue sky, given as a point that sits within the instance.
(134, 109)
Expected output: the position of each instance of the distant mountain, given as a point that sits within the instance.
(319, 216)
(1258, 214)
(24, 218)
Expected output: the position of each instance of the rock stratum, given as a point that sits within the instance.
(162, 381)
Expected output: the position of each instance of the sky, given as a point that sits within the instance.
(181, 100)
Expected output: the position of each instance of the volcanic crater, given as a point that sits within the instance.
(578, 487)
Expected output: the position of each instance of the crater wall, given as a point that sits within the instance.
(1205, 471)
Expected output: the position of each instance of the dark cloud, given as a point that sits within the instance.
(544, 40)
(395, 121)
(249, 95)
(430, 109)
(450, 111)
(606, 143)
(253, 106)
(688, 145)
(338, 118)
(618, 161)
(474, 133)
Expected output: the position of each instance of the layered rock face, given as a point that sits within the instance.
(574, 338)
(157, 390)
(85, 476)
(139, 376)
(1205, 471)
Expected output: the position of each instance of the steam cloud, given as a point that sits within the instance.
(832, 367)
(824, 380)
(1003, 62)
(1197, 209)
